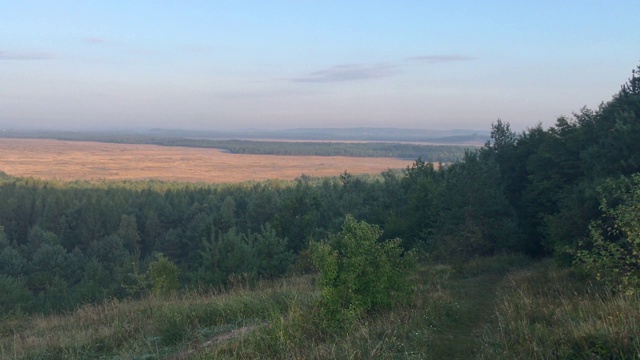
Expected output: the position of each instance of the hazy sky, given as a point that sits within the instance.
(284, 64)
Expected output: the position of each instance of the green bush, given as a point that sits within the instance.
(164, 275)
(358, 274)
(613, 252)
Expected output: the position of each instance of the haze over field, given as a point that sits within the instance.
(290, 64)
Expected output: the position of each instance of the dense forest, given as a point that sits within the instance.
(570, 191)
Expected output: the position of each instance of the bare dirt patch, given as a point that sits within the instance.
(72, 160)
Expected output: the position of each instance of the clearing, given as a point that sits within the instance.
(77, 160)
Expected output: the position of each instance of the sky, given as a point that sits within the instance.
(221, 65)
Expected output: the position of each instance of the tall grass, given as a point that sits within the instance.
(496, 308)
(153, 327)
(550, 313)
(439, 323)
(276, 319)
(301, 333)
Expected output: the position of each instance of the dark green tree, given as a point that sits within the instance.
(272, 253)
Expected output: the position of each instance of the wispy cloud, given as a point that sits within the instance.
(349, 72)
(4, 55)
(440, 58)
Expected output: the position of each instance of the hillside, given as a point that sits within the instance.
(496, 308)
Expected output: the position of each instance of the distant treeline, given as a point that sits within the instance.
(442, 137)
(397, 135)
(432, 153)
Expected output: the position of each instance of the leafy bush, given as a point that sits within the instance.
(358, 274)
(614, 255)
(164, 275)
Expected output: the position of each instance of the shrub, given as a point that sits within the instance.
(614, 254)
(358, 274)
(163, 275)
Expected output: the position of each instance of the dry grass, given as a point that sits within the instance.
(554, 313)
(71, 160)
(455, 314)
(153, 327)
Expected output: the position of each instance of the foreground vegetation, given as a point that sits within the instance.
(505, 307)
(550, 313)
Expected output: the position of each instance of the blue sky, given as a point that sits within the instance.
(286, 64)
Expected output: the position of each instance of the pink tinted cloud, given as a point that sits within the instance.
(349, 72)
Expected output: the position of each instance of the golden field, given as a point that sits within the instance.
(76, 160)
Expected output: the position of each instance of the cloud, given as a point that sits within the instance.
(440, 58)
(349, 72)
(25, 56)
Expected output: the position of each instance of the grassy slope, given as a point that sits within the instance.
(499, 308)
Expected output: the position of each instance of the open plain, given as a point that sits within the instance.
(71, 160)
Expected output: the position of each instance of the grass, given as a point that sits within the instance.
(71, 161)
(149, 328)
(497, 308)
(545, 313)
